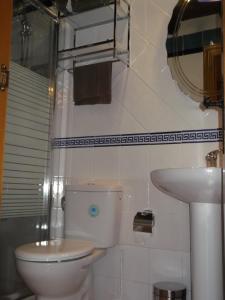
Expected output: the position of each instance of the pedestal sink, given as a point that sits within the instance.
(201, 189)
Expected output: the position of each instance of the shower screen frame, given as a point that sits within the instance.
(38, 227)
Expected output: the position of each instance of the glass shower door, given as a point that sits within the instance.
(24, 212)
(222, 185)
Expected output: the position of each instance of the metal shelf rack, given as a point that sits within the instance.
(99, 34)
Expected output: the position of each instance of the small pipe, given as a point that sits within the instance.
(114, 28)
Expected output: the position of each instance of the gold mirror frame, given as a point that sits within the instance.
(178, 74)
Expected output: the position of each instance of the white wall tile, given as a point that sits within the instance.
(186, 270)
(134, 291)
(106, 288)
(102, 119)
(111, 289)
(150, 292)
(193, 155)
(166, 156)
(79, 163)
(171, 230)
(138, 45)
(106, 163)
(136, 264)
(132, 162)
(139, 15)
(165, 266)
(110, 264)
(126, 228)
(167, 6)
(144, 104)
(158, 20)
(136, 192)
(146, 16)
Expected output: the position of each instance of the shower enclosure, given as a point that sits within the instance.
(24, 212)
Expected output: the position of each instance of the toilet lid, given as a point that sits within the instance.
(55, 250)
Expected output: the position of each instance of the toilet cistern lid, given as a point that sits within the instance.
(54, 250)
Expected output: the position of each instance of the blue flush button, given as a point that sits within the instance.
(93, 210)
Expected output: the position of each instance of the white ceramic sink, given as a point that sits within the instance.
(201, 188)
(199, 185)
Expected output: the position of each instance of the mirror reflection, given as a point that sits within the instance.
(194, 50)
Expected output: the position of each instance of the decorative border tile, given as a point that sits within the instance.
(139, 139)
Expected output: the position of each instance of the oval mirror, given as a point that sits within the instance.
(194, 49)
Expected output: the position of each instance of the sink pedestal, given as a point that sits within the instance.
(201, 189)
(206, 251)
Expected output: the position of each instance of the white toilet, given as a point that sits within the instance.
(60, 269)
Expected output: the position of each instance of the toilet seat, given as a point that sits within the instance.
(55, 250)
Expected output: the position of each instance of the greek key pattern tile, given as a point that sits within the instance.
(140, 139)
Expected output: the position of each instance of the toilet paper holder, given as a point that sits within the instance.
(144, 221)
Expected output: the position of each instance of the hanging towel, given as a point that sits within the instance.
(92, 84)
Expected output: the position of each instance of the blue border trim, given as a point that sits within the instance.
(140, 139)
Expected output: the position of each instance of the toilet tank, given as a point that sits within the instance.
(92, 212)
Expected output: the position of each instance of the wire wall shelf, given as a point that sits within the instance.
(99, 34)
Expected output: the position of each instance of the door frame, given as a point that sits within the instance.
(6, 15)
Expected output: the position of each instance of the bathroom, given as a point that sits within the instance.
(150, 124)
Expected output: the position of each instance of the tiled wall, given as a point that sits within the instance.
(145, 100)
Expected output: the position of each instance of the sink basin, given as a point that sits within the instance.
(190, 185)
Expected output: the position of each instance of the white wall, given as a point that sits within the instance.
(145, 99)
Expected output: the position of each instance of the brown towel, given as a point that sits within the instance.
(92, 84)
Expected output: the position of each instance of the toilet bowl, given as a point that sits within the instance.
(57, 269)
(61, 269)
